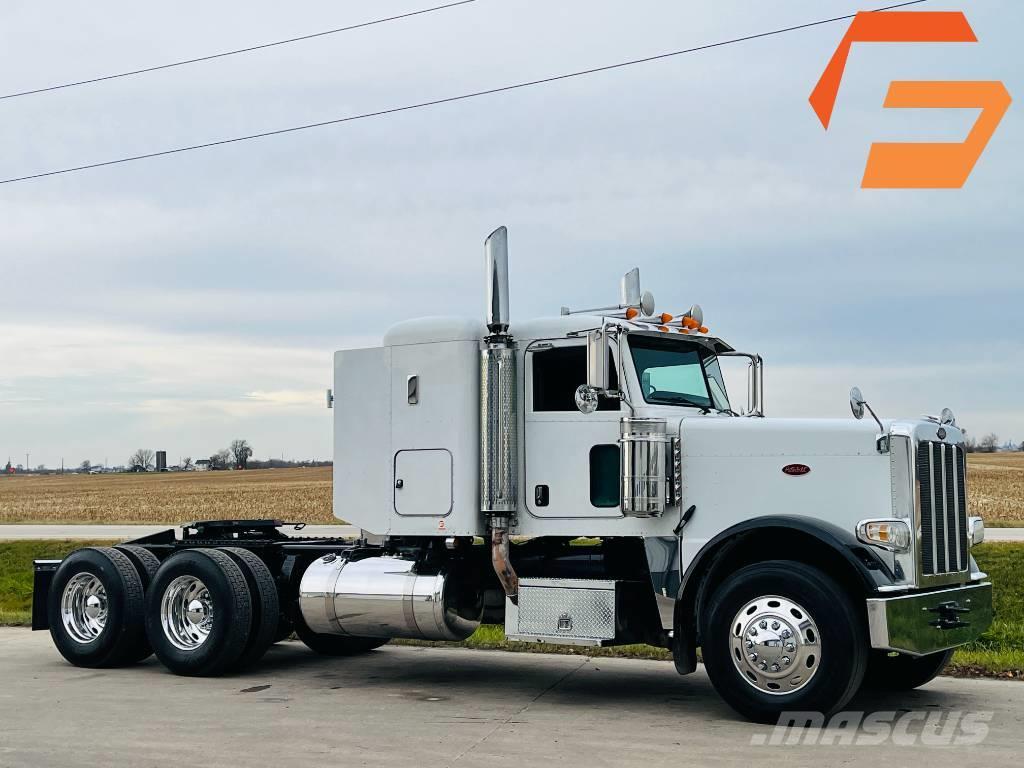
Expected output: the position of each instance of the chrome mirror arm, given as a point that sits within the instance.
(755, 382)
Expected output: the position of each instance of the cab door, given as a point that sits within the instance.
(572, 459)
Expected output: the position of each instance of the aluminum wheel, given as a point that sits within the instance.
(775, 645)
(83, 607)
(186, 613)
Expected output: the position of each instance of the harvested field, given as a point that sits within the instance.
(169, 497)
(996, 487)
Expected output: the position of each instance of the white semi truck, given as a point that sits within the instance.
(583, 479)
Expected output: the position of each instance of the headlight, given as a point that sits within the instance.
(975, 530)
(890, 534)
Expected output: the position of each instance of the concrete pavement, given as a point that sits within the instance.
(1004, 534)
(125, 532)
(405, 707)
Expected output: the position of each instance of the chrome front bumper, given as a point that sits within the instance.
(928, 622)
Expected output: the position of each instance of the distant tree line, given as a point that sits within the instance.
(989, 444)
(238, 455)
(288, 463)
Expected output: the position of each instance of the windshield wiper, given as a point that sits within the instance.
(677, 399)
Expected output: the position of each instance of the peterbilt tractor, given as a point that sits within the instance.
(583, 479)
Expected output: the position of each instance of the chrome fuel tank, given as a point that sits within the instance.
(385, 597)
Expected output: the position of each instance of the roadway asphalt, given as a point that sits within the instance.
(56, 531)
(406, 707)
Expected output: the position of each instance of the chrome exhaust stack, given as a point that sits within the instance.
(499, 418)
(496, 255)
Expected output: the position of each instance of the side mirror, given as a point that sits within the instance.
(587, 399)
(857, 403)
(597, 360)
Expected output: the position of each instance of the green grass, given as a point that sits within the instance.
(492, 637)
(16, 574)
(999, 652)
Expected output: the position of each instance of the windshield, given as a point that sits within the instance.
(674, 372)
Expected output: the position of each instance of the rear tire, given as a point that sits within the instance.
(96, 610)
(903, 673)
(146, 565)
(783, 636)
(199, 613)
(145, 562)
(336, 645)
(265, 605)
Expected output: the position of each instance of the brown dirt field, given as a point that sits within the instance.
(995, 486)
(302, 495)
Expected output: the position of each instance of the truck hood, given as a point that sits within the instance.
(777, 437)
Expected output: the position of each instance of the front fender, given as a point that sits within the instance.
(778, 537)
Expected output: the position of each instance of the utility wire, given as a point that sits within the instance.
(235, 52)
(446, 100)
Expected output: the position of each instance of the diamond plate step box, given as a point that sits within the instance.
(562, 612)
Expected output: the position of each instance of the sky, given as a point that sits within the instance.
(180, 302)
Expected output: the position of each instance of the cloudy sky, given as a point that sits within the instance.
(180, 302)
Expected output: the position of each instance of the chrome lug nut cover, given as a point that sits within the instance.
(775, 644)
(83, 607)
(186, 613)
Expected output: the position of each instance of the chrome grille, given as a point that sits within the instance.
(941, 475)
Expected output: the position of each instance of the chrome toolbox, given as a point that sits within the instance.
(562, 611)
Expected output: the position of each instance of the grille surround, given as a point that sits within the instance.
(940, 509)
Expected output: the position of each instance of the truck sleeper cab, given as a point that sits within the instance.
(585, 480)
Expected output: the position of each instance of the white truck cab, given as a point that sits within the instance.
(587, 479)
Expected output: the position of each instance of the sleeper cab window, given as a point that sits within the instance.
(558, 371)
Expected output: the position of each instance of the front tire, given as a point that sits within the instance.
(95, 609)
(783, 636)
(199, 613)
(902, 672)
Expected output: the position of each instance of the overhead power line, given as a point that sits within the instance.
(446, 100)
(235, 52)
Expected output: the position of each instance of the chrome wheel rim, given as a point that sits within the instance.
(775, 645)
(83, 607)
(186, 613)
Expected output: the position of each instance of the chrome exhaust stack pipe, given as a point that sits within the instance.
(499, 417)
(496, 254)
